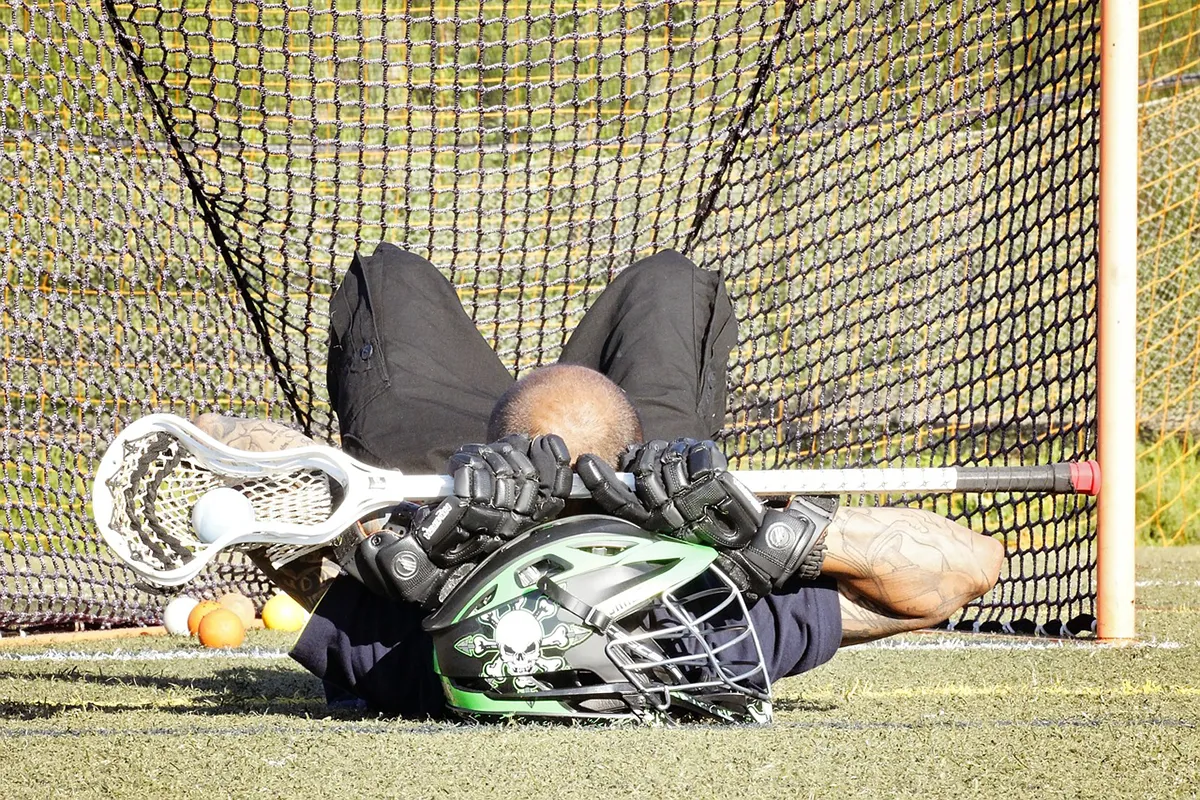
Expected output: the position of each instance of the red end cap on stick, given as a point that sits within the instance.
(1085, 477)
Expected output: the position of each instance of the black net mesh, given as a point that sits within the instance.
(901, 197)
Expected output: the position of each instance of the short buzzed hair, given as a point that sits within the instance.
(591, 413)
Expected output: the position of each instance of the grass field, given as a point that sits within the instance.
(928, 715)
(914, 214)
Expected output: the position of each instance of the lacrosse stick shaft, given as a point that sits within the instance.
(1076, 477)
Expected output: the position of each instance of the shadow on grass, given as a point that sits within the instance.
(234, 691)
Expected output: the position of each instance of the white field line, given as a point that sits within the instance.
(925, 643)
(252, 654)
(955, 643)
(1166, 583)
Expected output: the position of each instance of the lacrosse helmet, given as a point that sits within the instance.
(594, 617)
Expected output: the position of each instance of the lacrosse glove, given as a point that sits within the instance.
(392, 564)
(684, 489)
(501, 490)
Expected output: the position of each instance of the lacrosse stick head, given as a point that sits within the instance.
(159, 467)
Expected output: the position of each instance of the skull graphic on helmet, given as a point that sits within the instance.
(519, 642)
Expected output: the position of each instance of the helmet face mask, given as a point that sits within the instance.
(693, 652)
(593, 617)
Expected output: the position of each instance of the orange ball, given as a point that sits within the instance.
(200, 612)
(221, 628)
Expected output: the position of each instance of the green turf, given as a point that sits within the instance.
(1062, 720)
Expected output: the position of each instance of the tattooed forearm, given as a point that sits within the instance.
(258, 435)
(305, 578)
(903, 568)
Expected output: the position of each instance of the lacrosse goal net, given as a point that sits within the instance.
(901, 197)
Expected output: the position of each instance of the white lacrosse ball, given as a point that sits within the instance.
(218, 511)
(175, 615)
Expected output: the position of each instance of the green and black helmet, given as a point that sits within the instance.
(591, 616)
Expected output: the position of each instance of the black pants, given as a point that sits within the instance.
(411, 378)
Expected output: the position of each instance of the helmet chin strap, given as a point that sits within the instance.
(593, 617)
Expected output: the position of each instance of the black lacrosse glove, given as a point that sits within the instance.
(789, 543)
(392, 564)
(500, 490)
(684, 489)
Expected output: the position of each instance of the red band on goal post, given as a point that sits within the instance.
(1085, 477)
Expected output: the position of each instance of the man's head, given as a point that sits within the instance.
(586, 409)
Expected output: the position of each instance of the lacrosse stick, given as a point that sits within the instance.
(157, 470)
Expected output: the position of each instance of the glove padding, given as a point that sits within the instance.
(500, 490)
(393, 565)
(682, 488)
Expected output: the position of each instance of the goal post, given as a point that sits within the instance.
(1117, 317)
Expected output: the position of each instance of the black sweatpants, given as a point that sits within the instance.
(412, 379)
